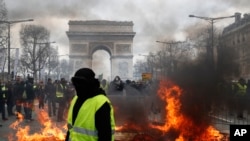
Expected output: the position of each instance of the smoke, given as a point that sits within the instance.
(205, 89)
(39, 9)
(129, 110)
(199, 89)
(240, 4)
(153, 20)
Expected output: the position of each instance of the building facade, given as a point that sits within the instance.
(237, 38)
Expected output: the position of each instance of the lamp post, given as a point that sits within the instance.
(210, 50)
(9, 23)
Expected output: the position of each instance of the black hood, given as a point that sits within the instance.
(85, 83)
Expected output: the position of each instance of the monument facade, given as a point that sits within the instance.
(115, 37)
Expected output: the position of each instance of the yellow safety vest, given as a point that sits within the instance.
(59, 94)
(4, 89)
(242, 89)
(105, 87)
(84, 126)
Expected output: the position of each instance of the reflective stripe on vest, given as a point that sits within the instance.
(4, 89)
(85, 131)
(84, 125)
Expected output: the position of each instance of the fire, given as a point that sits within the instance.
(129, 127)
(49, 131)
(177, 125)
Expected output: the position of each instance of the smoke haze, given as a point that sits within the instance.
(153, 20)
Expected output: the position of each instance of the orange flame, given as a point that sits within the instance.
(49, 131)
(185, 128)
(129, 127)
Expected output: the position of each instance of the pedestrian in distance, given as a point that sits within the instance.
(61, 92)
(70, 93)
(3, 97)
(28, 98)
(248, 96)
(104, 85)
(18, 92)
(91, 115)
(50, 91)
(240, 90)
(40, 94)
(10, 99)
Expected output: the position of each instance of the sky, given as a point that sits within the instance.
(162, 20)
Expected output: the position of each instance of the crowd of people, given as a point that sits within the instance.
(236, 95)
(131, 87)
(65, 101)
(19, 96)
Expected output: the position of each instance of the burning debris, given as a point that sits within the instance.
(177, 126)
(49, 131)
(180, 126)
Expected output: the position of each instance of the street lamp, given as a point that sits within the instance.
(9, 23)
(210, 50)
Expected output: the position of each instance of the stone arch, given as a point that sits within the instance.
(100, 47)
(115, 37)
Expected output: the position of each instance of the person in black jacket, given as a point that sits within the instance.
(3, 95)
(10, 99)
(28, 99)
(18, 91)
(40, 91)
(61, 87)
(87, 87)
(50, 91)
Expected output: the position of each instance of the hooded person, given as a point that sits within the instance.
(90, 116)
(28, 99)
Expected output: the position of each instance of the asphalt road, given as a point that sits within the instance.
(31, 130)
(47, 127)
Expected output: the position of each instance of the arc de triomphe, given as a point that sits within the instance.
(115, 37)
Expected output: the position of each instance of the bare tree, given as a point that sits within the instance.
(3, 17)
(173, 54)
(63, 69)
(35, 45)
(3, 36)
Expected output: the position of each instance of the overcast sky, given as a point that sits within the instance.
(153, 20)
